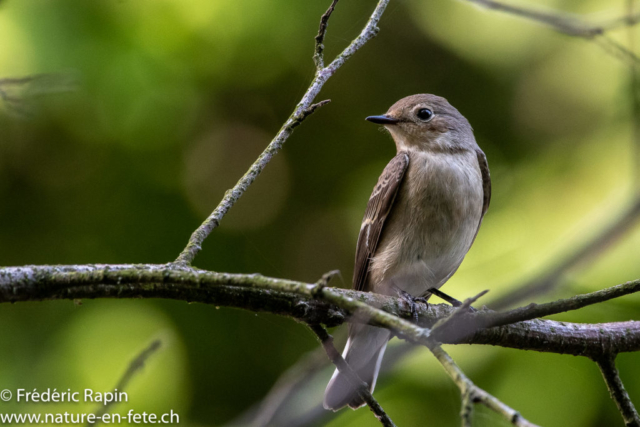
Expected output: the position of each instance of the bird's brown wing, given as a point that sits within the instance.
(378, 208)
(486, 181)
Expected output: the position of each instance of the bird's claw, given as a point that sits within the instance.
(411, 300)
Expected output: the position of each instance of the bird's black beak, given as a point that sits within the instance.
(383, 120)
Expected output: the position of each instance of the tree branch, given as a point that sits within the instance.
(302, 110)
(361, 387)
(286, 388)
(466, 323)
(472, 394)
(18, 93)
(561, 22)
(571, 25)
(618, 393)
(134, 367)
(313, 303)
(318, 58)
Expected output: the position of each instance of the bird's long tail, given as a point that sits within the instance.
(363, 352)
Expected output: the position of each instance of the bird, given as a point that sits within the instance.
(422, 217)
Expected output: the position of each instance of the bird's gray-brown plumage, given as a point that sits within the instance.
(421, 219)
(379, 206)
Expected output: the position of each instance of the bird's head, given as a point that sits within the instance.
(426, 122)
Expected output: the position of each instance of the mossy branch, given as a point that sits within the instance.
(313, 303)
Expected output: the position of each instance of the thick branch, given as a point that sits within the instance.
(304, 302)
(607, 366)
(550, 336)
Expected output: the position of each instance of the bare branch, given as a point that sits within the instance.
(630, 19)
(19, 93)
(533, 311)
(466, 324)
(41, 84)
(300, 300)
(549, 336)
(457, 312)
(571, 25)
(361, 387)
(134, 367)
(617, 50)
(562, 22)
(472, 394)
(301, 111)
(618, 393)
(266, 412)
(318, 58)
(310, 303)
(307, 112)
(301, 377)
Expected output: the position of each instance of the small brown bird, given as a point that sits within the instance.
(421, 219)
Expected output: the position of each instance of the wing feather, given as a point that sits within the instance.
(378, 208)
(486, 180)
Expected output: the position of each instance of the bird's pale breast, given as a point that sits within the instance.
(432, 224)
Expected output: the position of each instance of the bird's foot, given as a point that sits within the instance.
(451, 300)
(411, 300)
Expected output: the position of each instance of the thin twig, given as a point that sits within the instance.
(301, 111)
(361, 387)
(570, 25)
(457, 312)
(316, 414)
(134, 367)
(551, 278)
(617, 391)
(466, 324)
(533, 311)
(559, 21)
(574, 26)
(318, 57)
(630, 19)
(617, 50)
(18, 93)
(472, 394)
(307, 112)
(267, 411)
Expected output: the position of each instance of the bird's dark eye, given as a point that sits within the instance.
(424, 114)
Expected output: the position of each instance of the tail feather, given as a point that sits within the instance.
(363, 352)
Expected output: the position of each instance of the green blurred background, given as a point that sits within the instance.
(177, 98)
